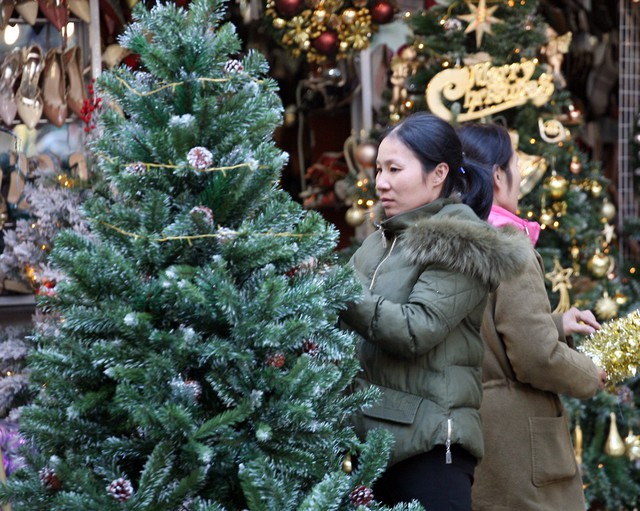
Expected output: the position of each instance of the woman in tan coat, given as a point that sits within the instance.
(529, 360)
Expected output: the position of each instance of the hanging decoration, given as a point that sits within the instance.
(614, 445)
(327, 30)
(480, 20)
(560, 279)
(483, 89)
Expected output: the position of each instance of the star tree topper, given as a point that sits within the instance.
(480, 20)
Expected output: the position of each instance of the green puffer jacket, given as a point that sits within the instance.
(426, 276)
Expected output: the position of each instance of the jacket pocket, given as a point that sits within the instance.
(551, 450)
(395, 406)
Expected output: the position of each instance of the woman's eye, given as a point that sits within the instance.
(393, 169)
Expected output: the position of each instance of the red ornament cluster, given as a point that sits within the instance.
(89, 106)
(276, 360)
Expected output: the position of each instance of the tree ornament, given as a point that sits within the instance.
(382, 12)
(347, 466)
(452, 25)
(558, 186)
(614, 445)
(276, 360)
(615, 348)
(620, 298)
(204, 213)
(135, 169)
(49, 479)
(311, 347)
(355, 216)
(599, 264)
(608, 210)
(195, 388)
(366, 153)
(546, 218)
(560, 279)
(120, 489)
(596, 188)
(575, 166)
(288, 8)
(361, 496)
(632, 443)
(233, 66)
(480, 20)
(200, 158)
(606, 307)
(577, 444)
(326, 43)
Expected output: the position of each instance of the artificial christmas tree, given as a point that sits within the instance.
(196, 363)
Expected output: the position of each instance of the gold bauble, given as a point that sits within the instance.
(621, 299)
(557, 186)
(608, 210)
(606, 308)
(546, 218)
(599, 264)
(355, 216)
(366, 154)
(614, 445)
(319, 15)
(633, 446)
(279, 23)
(347, 465)
(596, 188)
(349, 15)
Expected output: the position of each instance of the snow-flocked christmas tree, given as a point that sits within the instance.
(197, 364)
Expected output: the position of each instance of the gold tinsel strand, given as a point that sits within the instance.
(616, 347)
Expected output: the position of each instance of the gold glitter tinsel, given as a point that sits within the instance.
(616, 347)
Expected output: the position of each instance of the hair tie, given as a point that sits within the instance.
(462, 170)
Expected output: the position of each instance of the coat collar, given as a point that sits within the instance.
(448, 233)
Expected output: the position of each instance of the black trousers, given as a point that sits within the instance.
(429, 480)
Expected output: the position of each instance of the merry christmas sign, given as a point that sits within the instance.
(472, 92)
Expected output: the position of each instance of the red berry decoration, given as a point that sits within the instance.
(288, 8)
(361, 496)
(326, 43)
(49, 479)
(382, 12)
(120, 489)
(277, 360)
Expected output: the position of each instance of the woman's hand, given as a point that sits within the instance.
(576, 321)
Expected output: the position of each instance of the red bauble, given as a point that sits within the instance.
(382, 12)
(132, 61)
(288, 8)
(326, 43)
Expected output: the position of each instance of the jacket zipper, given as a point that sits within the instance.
(375, 273)
(447, 455)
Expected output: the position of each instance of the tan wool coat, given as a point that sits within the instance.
(529, 462)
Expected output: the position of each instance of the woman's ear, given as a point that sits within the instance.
(440, 173)
(499, 178)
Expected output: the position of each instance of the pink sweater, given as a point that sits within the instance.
(500, 216)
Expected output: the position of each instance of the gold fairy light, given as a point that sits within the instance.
(616, 347)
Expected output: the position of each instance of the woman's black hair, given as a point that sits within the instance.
(489, 144)
(433, 140)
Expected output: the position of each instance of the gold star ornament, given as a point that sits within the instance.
(480, 19)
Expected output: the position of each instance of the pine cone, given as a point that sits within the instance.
(277, 360)
(50, 479)
(120, 489)
(233, 66)
(361, 496)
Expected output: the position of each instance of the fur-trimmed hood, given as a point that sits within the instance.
(449, 234)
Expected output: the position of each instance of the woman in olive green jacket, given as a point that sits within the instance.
(426, 275)
(529, 463)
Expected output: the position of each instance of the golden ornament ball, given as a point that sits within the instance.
(606, 308)
(608, 210)
(557, 186)
(599, 264)
(349, 15)
(575, 166)
(279, 23)
(621, 299)
(347, 466)
(366, 154)
(355, 216)
(546, 218)
(596, 188)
